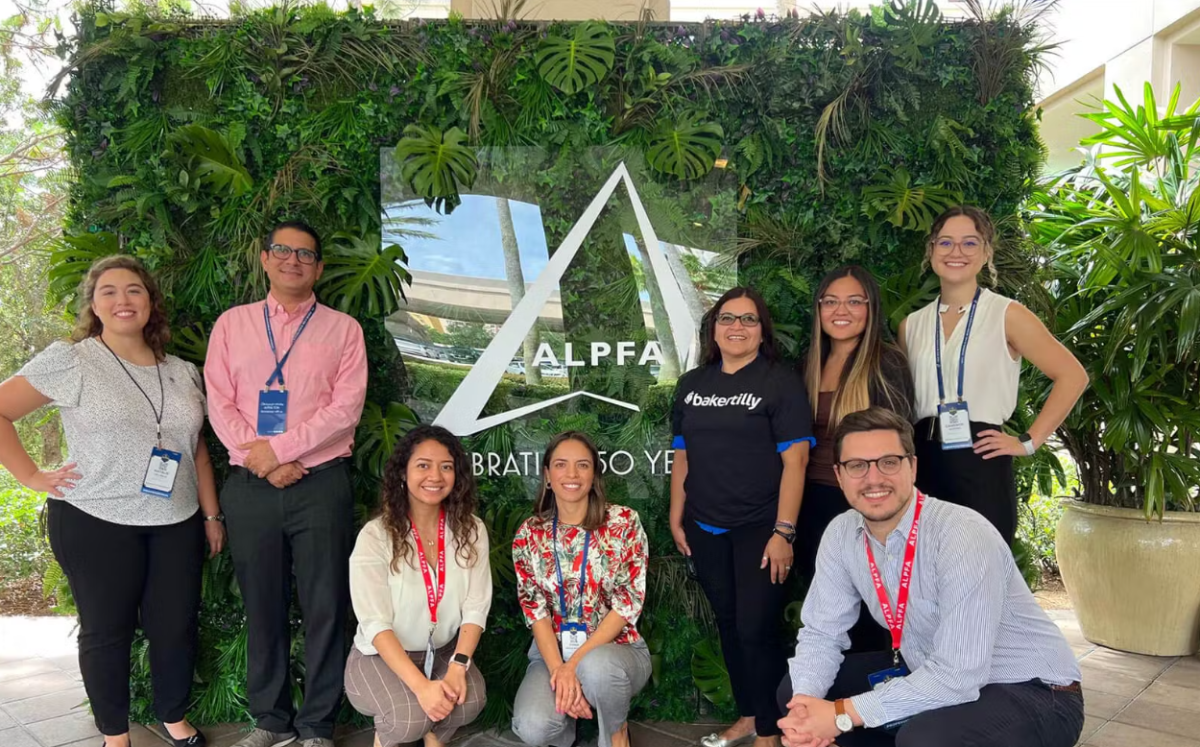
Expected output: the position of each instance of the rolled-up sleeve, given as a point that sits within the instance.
(629, 574)
(479, 582)
(370, 593)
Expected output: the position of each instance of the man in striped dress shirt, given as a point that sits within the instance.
(975, 660)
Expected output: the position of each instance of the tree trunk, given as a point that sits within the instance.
(516, 285)
(51, 441)
(691, 296)
(669, 371)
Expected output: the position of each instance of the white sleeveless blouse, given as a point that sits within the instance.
(990, 383)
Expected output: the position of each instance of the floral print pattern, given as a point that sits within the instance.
(616, 571)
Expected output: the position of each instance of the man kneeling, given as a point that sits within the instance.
(974, 660)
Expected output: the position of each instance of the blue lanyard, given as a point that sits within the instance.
(962, 354)
(278, 373)
(562, 597)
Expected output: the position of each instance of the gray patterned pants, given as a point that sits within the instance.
(375, 690)
(610, 675)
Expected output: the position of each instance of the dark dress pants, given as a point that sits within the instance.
(988, 486)
(749, 613)
(306, 529)
(1025, 714)
(124, 577)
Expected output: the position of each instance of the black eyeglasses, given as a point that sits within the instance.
(748, 320)
(888, 465)
(304, 256)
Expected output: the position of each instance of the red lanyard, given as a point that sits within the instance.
(895, 622)
(435, 598)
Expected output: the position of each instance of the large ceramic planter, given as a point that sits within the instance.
(1135, 584)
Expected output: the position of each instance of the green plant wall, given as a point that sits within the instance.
(844, 135)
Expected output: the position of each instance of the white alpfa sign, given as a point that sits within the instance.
(461, 415)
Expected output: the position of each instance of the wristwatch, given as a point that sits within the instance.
(843, 721)
(462, 660)
(790, 537)
(218, 517)
(1027, 441)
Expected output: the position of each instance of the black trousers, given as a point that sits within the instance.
(1026, 714)
(822, 504)
(961, 476)
(121, 577)
(748, 609)
(308, 528)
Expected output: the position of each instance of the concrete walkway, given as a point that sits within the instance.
(1130, 700)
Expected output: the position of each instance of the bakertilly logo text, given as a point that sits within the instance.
(747, 400)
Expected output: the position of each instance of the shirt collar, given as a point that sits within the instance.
(275, 308)
(902, 529)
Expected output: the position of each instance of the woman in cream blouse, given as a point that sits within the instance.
(421, 587)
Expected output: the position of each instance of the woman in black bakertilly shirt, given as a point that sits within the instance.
(742, 430)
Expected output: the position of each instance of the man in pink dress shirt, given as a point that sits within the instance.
(286, 382)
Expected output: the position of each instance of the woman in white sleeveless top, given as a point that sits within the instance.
(963, 453)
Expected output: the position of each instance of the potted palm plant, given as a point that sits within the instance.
(1123, 232)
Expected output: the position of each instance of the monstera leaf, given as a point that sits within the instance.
(363, 276)
(907, 205)
(684, 149)
(378, 432)
(190, 343)
(570, 65)
(709, 672)
(434, 164)
(211, 159)
(71, 257)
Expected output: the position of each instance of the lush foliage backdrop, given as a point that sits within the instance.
(845, 134)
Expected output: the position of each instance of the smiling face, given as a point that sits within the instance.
(878, 497)
(121, 302)
(959, 251)
(844, 309)
(430, 473)
(289, 276)
(738, 340)
(570, 472)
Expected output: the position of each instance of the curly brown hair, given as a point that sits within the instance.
(394, 498)
(157, 331)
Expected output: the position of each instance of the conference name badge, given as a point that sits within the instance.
(161, 472)
(574, 635)
(954, 422)
(272, 412)
(882, 677)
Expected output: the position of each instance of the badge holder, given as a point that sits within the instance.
(572, 638)
(954, 425)
(429, 655)
(272, 412)
(879, 679)
(161, 472)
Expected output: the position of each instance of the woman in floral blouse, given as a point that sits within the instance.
(586, 655)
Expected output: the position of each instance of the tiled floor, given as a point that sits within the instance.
(1130, 700)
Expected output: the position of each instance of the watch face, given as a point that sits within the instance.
(844, 723)
(462, 658)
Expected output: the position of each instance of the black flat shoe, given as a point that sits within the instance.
(196, 740)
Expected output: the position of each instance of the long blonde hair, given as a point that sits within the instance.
(862, 383)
